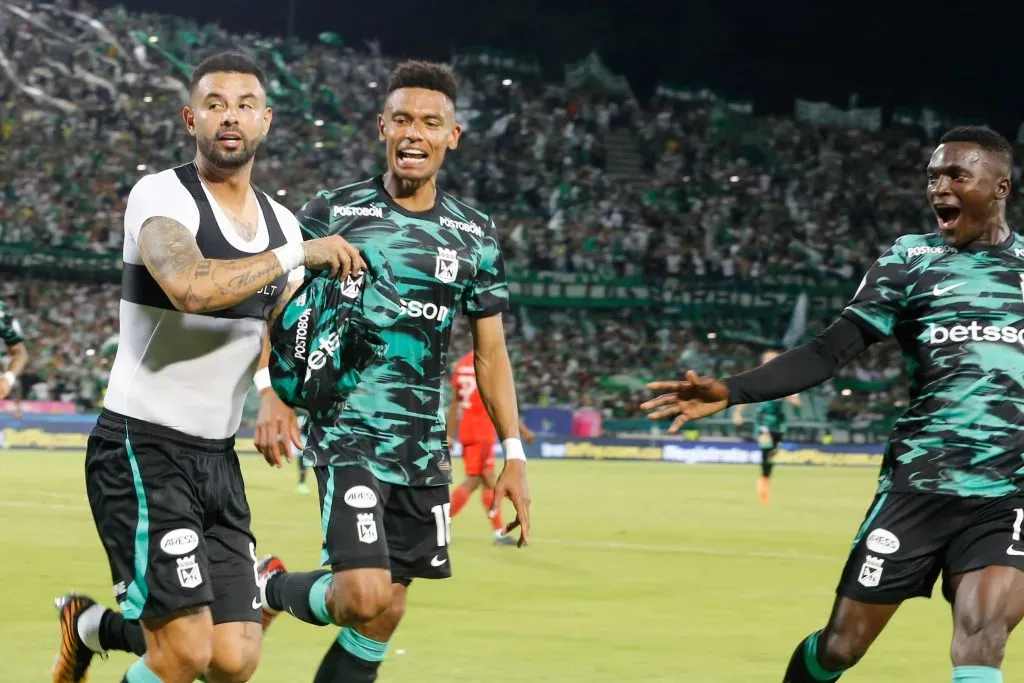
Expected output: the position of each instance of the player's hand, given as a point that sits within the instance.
(691, 398)
(526, 434)
(333, 254)
(276, 430)
(512, 484)
(737, 419)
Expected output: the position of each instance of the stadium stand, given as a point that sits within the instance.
(712, 219)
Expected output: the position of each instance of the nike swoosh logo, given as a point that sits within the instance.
(1012, 551)
(257, 603)
(436, 561)
(939, 291)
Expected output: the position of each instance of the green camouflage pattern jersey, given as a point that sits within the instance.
(328, 334)
(10, 329)
(771, 416)
(393, 423)
(958, 315)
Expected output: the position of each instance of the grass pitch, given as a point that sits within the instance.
(636, 572)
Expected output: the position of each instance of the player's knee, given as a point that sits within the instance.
(842, 647)
(184, 645)
(362, 598)
(979, 640)
(234, 666)
(236, 653)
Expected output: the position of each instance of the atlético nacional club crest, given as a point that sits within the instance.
(350, 288)
(447, 267)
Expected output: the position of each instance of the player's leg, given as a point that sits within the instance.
(768, 442)
(826, 654)
(490, 478)
(234, 572)
(418, 530)
(358, 586)
(302, 488)
(895, 556)
(356, 654)
(140, 487)
(473, 464)
(986, 563)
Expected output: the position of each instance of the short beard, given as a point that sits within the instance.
(226, 159)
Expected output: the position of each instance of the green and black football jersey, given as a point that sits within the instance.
(958, 315)
(10, 330)
(771, 416)
(442, 260)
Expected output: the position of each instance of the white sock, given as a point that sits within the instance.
(498, 533)
(89, 627)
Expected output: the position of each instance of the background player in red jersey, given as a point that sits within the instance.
(478, 437)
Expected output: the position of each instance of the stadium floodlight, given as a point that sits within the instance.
(140, 167)
(318, 122)
(507, 82)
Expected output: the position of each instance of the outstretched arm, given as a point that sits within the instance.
(796, 370)
(803, 367)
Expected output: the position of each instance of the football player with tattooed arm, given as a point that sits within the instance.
(207, 258)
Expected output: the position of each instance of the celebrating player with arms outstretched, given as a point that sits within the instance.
(383, 466)
(950, 497)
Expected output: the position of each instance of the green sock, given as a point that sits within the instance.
(976, 674)
(140, 673)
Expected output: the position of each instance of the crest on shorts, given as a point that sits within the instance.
(366, 527)
(870, 572)
(351, 286)
(188, 572)
(446, 269)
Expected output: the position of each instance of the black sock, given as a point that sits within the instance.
(302, 594)
(342, 666)
(118, 633)
(766, 465)
(804, 667)
(302, 471)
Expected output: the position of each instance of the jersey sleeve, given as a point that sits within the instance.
(487, 294)
(10, 329)
(881, 299)
(314, 218)
(159, 195)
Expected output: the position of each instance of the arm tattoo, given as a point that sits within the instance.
(289, 292)
(196, 284)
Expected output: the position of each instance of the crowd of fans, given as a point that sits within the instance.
(90, 101)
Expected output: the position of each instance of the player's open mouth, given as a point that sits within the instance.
(947, 215)
(411, 158)
(230, 140)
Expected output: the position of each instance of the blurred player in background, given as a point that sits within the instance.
(17, 354)
(302, 488)
(383, 468)
(769, 431)
(477, 436)
(950, 496)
